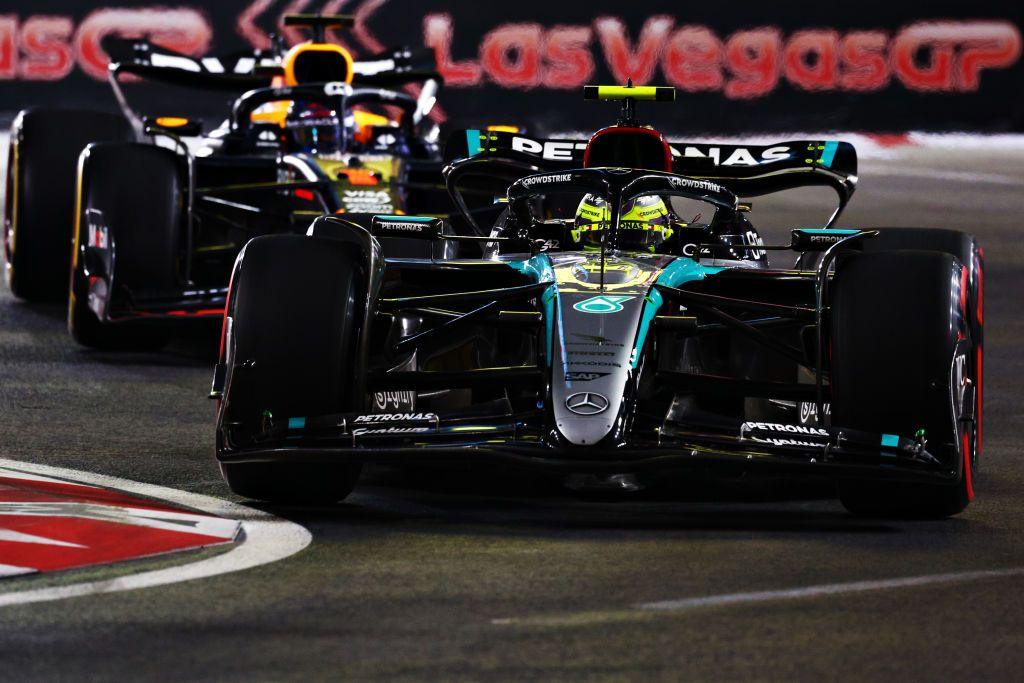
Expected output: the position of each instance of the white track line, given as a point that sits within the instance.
(641, 610)
(266, 539)
(829, 589)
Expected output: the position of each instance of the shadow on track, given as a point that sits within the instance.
(502, 503)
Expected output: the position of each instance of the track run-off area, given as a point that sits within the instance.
(473, 575)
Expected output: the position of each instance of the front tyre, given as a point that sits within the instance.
(901, 349)
(292, 336)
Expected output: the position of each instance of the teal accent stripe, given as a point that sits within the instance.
(473, 141)
(678, 272)
(829, 154)
(296, 423)
(406, 219)
(890, 440)
(538, 269)
(828, 231)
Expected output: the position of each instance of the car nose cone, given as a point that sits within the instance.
(586, 403)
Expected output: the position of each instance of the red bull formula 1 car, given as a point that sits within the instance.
(596, 326)
(149, 226)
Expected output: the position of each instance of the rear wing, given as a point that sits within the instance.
(240, 71)
(747, 170)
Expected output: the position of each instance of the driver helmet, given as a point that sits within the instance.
(645, 222)
(312, 129)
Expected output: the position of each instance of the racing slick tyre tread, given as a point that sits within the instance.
(138, 188)
(897, 327)
(39, 213)
(296, 307)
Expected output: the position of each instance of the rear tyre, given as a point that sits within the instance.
(292, 333)
(136, 191)
(39, 213)
(901, 342)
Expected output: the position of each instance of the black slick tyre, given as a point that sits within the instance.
(39, 213)
(295, 315)
(136, 192)
(901, 341)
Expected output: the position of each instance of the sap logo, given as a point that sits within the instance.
(556, 150)
(738, 156)
(584, 376)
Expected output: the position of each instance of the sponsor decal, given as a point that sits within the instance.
(554, 150)
(584, 376)
(367, 201)
(367, 431)
(777, 427)
(395, 417)
(809, 411)
(787, 442)
(402, 226)
(601, 304)
(587, 403)
(394, 400)
(739, 156)
(545, 179)
(694, 184)
(594, 363)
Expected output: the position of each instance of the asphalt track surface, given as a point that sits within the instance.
(474, 576)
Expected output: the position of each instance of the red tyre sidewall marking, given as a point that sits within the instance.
(979, 422)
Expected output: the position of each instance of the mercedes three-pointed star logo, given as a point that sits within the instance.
(587, 403)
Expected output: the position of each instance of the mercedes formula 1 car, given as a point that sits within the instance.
(612, 320)
(149, 226)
